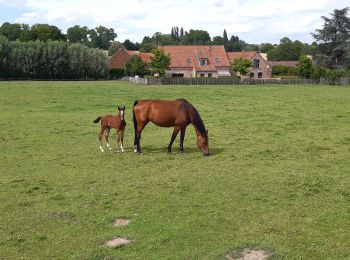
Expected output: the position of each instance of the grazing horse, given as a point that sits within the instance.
(177, 113)
(108, 122)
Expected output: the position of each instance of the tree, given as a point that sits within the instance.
(101, 37)
(136, 67)
(265, 47)
(115, 46)
(77, 34)
(235, 44)
(241, 65)
(11, 31)
(334, 39)
(129, 45)
(45, 32)
(218, 40)
(305, 66)
(160, 62)
(225, 38)
(287, 50)
(196, 37)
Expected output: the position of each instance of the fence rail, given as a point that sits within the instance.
(234, 81)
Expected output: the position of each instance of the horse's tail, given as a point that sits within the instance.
(133, 115)
(97, 119)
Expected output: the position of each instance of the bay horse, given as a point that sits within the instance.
(177, 113)
(108, 122)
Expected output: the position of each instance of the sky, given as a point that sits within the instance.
(254, 21)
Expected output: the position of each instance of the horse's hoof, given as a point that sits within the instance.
(135, 151)
(118, 151)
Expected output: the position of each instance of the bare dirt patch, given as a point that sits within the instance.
(119, 222)
(248, 254)
(118, 241)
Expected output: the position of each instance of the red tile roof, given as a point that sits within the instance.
(240, 54)
(283, 63)
(120, 58)
(187, 56)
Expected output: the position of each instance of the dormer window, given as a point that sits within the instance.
(189, 61)
(204, 62)
(217, 61)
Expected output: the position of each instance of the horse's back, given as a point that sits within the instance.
(164, 113)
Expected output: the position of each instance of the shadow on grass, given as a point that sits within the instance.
(190, 150)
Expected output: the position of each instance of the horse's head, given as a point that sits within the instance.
(202, 142)
(121, 112)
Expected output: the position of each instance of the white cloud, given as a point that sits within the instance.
(256, 20)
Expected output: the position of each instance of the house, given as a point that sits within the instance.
(260, 69)
(121, 57)
(197, 61)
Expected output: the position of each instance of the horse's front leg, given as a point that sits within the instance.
(122, 140)
(118, 140)
(182, 138)
(173, 137)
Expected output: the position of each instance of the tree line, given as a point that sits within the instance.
(44, 43)
(51, 60)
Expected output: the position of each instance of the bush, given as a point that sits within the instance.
(335, 74)
(116, 73)
(318, 72)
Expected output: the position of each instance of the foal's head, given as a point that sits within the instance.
(121, 112)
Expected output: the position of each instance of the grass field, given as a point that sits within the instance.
(278, 178)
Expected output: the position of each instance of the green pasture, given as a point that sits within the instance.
(278, 178)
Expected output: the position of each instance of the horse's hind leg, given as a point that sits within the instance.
(100, 136)
(107, 139)
(138, 132)
(173, 137)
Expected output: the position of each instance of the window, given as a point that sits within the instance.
(256, 63)
(251, 75)
(209, 75)
(259, 75)
(189, 61)
(202, 75)
(217, 61)
(203, 62)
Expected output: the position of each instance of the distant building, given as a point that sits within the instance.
(121, 57)
(260, 67)
(197, 61)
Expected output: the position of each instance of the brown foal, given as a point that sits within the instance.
(117, 122)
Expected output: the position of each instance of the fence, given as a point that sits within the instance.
(234, 81)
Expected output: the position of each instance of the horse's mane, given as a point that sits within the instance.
(198, 123)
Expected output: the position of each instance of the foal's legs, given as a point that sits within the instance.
(122, 140)
(107, 140)
(173, 137)
(182, 138)
(100, 136)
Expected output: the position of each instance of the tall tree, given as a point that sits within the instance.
(45, 32)
(225, 38)
(77, 34)
(11, 31)
(101, 37)
(196, 37)
(287, 50)
(334, 39)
